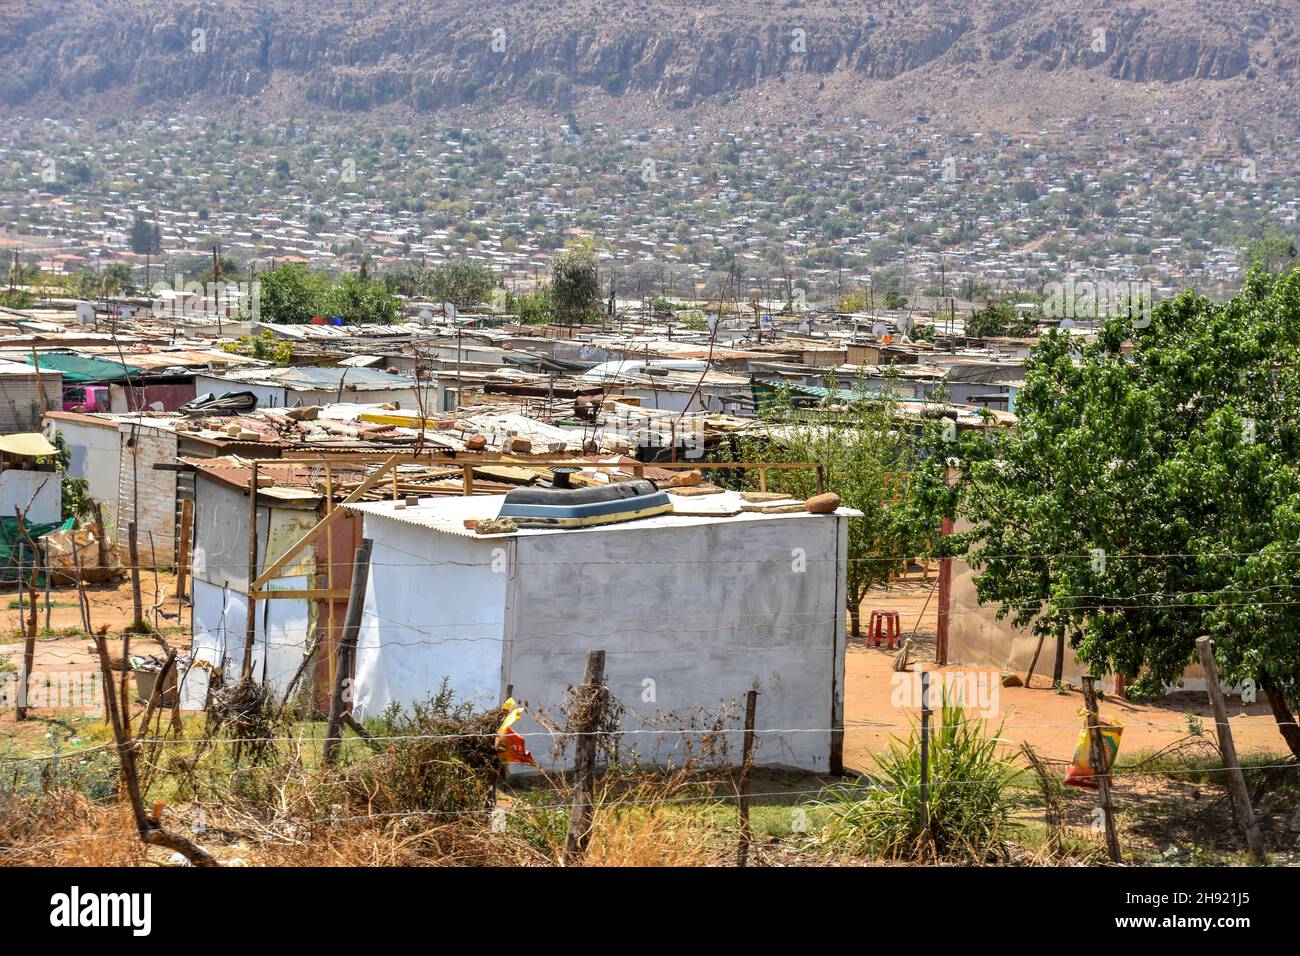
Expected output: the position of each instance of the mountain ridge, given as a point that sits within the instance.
(653, 60)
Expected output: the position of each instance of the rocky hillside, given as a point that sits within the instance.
(652, 56)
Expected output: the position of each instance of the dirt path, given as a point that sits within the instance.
(880, 704)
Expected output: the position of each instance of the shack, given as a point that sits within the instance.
(693, 612)
(288, 506)
(29, 483)
(94, 449)
(307, 385)
(26, 393)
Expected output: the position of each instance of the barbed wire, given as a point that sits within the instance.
(712, 798)
(851, 726)
(425, 560)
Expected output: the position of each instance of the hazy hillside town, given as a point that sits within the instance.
(930, 208)
(519, 482)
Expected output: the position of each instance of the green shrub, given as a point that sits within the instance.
(969, 804)
(439, 757)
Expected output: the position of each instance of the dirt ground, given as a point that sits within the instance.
(62, 646)
(876, 705)
(1049, 721)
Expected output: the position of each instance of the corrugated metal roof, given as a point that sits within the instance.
(311, 377)
(281, 475)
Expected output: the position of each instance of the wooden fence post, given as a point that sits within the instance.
(137, 605)
(747, 763)
(1097, 753)
(183, 551)
(149, 827)
(1245, 813)
(29, 622)
(591, 707)
(101, 545)
(347, 649)
(925, 759)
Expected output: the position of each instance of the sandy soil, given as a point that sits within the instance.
(877, 708)
(879, 704)
(62, 647)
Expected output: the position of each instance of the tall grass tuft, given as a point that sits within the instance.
(969, 803)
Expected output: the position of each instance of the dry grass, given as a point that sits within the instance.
(66, 828)
(653, 837)
(394, 843)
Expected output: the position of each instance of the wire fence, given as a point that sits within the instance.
(797, 616)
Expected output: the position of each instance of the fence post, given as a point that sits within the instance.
(28, 622)
(137, 605)
(347, 648)
(1097, 753)
(183, 551)
(1228, 749)
(591, 706)
(747, 763)
(925, 758)
(149, 827)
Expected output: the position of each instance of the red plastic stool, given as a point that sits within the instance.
(890, 621)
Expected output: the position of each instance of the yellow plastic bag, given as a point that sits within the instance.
(1081, 772)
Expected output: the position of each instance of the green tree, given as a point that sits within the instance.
(146, 239)
(462, 282)
(1144, 500)
(265, 346)
(1268, 248)
(360, 300)
(117, 278)
(575, 283)
(533, 308)
(866, 459)
(998, 319)
(290, 294)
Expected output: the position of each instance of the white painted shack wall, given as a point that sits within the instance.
(706, 613)
(283, 628)
(40, 492)
(401, 397)
(220, 619)
(660, 399)
(94, 454)
(280, 396)
(434, 608)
